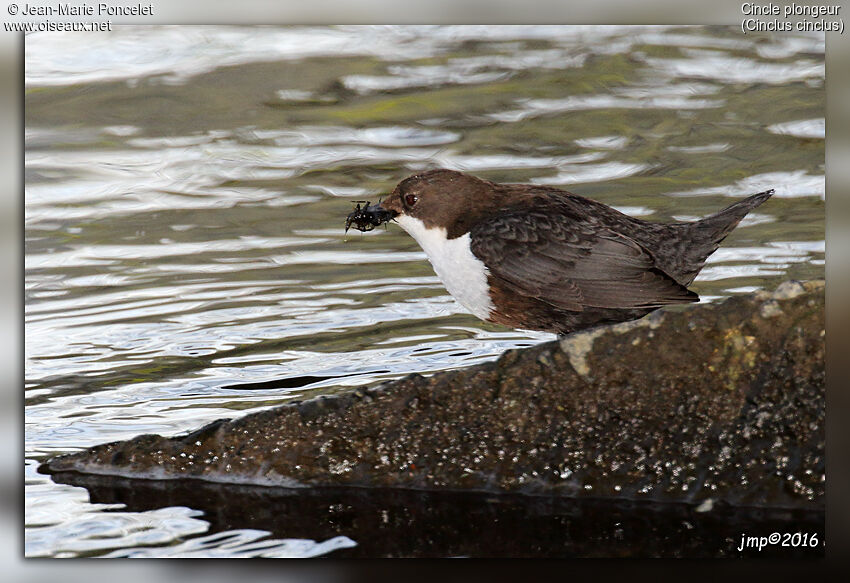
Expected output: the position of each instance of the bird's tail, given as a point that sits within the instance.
(704, 236)
(721, 223)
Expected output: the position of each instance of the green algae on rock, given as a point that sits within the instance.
(716, 402)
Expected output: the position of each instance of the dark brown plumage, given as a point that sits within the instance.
(559, 262)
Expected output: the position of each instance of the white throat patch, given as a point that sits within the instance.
(463, 274)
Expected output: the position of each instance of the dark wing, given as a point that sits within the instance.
(545, 252)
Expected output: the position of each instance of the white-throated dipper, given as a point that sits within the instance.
(541, 258)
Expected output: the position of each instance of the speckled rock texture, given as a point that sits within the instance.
(715, 403)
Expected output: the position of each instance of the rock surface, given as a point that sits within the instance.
(718, 402)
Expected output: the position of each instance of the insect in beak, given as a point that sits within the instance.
(367, 217)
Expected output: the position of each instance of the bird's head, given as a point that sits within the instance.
(440, 199)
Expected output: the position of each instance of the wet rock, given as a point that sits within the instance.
(722, 402)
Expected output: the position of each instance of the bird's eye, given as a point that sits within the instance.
(410, 199)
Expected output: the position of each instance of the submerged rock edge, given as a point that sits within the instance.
(737, 417)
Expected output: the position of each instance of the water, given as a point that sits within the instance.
(186, 189)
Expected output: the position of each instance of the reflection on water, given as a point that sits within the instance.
(437, 524)
(186, 189)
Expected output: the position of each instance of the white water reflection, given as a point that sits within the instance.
(537, 107)
(178, 53)
(725, 68)
(243, 543)
(804, 128)
(603, 142)
(592, 173)
(791, 184)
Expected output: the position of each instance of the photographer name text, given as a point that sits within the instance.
(100, 9)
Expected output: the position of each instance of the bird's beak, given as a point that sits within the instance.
(392, 204)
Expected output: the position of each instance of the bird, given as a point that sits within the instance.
(540, 258)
